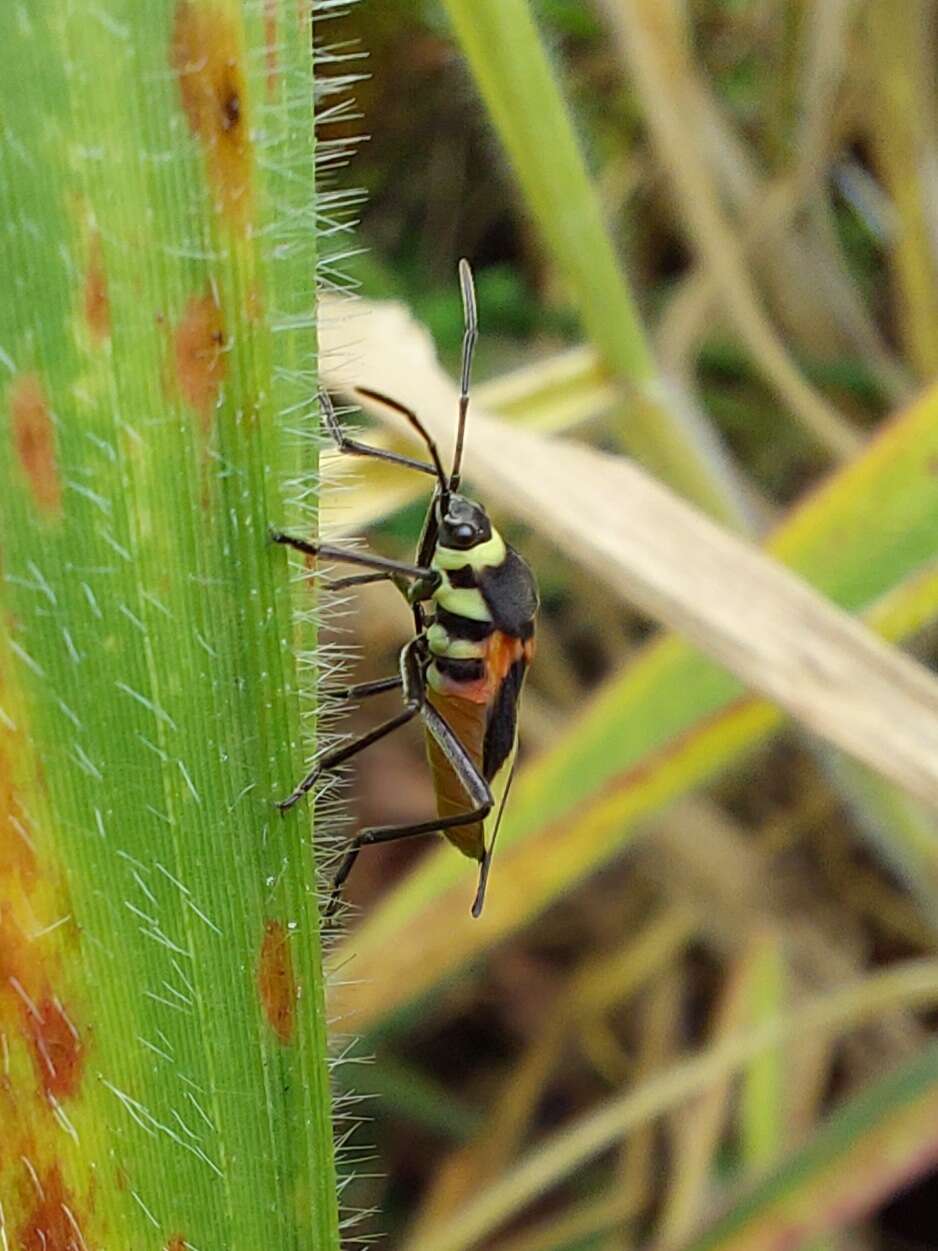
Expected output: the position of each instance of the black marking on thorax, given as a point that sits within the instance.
(464, 578)
(510, 594)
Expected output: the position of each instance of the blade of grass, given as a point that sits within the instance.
(902, 831)
(912, 984)
(501, 43)
(658, 63)
(901, 44)
(739, 607)
(742, 609)
(411, 1095)
(877, 1144)
(699, 1129)
(161, 995)
(851, 551)
(658, 1024)
(762, 1094)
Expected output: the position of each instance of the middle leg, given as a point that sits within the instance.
(411, 679)
(474, 784)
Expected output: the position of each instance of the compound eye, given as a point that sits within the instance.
(464, 534)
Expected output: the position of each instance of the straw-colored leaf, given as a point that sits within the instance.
(672, 720)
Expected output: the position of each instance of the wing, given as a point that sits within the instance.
(484, 716)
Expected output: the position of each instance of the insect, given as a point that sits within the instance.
(474, 602)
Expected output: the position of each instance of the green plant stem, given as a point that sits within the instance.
(161, 997)
(512, 71)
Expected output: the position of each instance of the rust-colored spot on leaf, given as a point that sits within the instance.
(276, 981)
(198, 349)
(207, 57)
(270, 46)
(58, 1051)
(34, 441)
(53, 1221)
(177, 1243)
(97, 305)
(17, 851)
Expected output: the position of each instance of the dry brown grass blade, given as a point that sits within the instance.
(901, 48)
(800, 262)
(739, 893)
(657, 62)
(697, 1132)
(758, 619)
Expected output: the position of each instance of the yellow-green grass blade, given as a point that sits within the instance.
(509, 63)
(901, 831)
(671, 721)
(164, 1079)
(879, 1142)
(561, 1154)
(762, 1097)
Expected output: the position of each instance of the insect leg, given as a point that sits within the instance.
(391, 834)
(474, 784)
(364, 689)
(414, 421)
(412, 681)
(354, 579)
(351, 447)
(369, 560)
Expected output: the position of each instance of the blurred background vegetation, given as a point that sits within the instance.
(766, 173)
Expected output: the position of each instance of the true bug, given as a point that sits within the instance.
(474, 602)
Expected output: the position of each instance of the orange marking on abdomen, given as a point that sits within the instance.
(501, 651)
(466, 718)
(464, 706)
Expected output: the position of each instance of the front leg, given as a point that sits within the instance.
(368, 560)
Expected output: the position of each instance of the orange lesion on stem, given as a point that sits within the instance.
(270, 47)
(34, 441)
(276, 981)
(198, 360)
(207, 57)
(96, 301)
(47, 1187)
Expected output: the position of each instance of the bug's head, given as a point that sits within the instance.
(462, 523)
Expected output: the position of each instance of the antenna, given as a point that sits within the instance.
(411, 417)
(471, 321)
(479, 900)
